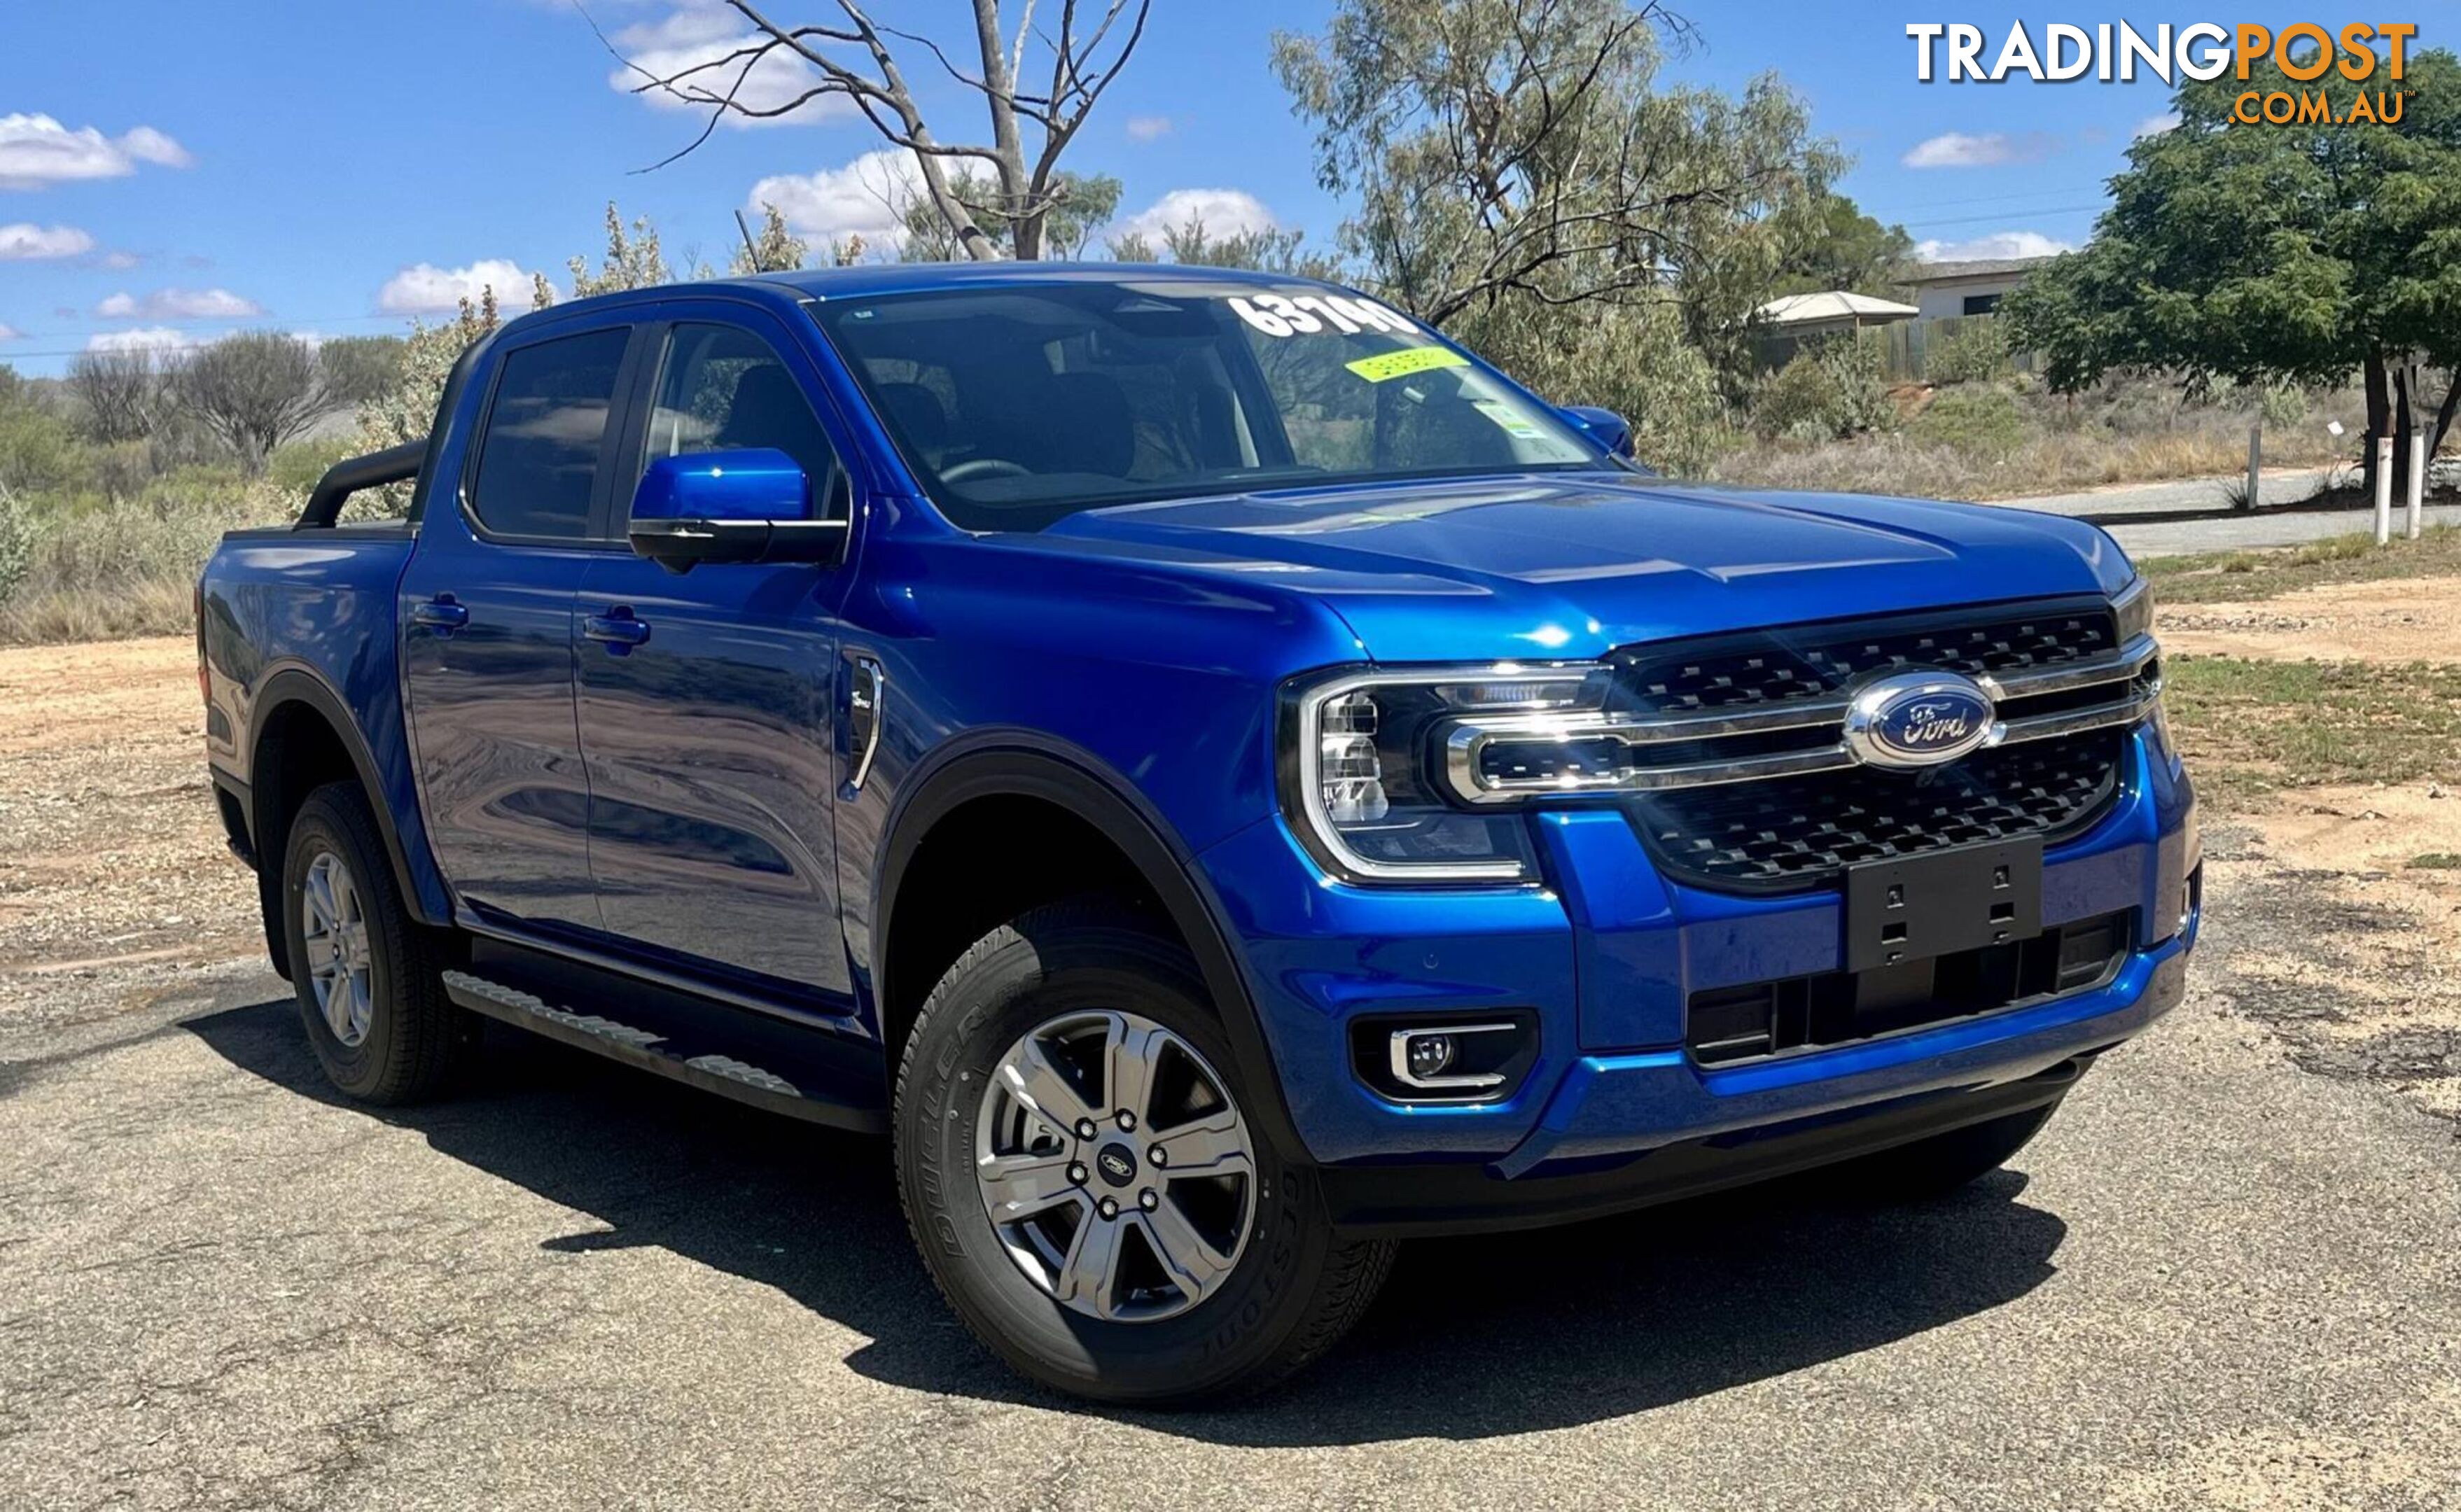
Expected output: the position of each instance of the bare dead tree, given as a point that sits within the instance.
(256, 391)
(853, 59)
(119, 394)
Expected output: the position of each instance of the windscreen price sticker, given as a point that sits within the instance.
(1278, 316)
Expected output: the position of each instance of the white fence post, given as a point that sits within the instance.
(2384, 489)
(2256, 464)
(2417, 482)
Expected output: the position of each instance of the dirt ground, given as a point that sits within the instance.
(2358, 977)
(111, 855)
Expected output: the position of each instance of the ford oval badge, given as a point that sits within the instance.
(1919, 719)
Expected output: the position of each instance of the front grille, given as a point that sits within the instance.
(1795, 831)
(1819, 660)
(1726, 1025)
(1731, 749)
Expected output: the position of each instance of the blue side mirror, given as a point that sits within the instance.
(1605, 427)
(749, 505)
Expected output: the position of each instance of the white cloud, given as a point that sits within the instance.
(2156, 125)
(867, 197)
(1998, 245)
(9, 332)
(424, 289)
(120, 262)
(1147, 128)
(702, 32)
(179, 304)
(1224, 212)
(25, 243)
(37, 150)
(144, 338)
(1956, 149)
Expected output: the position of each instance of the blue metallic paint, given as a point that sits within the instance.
(750, 483)
(1149, 640)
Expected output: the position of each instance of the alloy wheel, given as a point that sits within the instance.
(1114, 1166)
(335, 934)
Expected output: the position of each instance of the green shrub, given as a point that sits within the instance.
(1829, 389)
(297, 468)
(1976, 418)
(16, 542)
(1975, 352)
(2281, 405)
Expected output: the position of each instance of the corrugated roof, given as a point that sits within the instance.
(1796, 310)
(1985, 267)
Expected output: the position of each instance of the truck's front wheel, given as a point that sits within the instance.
(1081, 1173)
(368, 975)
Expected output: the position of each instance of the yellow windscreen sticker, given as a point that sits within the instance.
(1405, 362)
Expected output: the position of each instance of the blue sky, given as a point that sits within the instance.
(335, 167)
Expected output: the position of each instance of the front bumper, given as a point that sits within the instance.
(1605, 960)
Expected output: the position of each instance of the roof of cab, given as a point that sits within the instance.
(872, 280)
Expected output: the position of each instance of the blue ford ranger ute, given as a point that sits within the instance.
(1223, 777)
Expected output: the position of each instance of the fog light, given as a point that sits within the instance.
(1455, 1061)
(1429, 1054)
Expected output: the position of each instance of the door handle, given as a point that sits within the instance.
(441, 614)
(617, 629)
(866, 712)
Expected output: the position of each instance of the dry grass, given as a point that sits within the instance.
(2045, 462)
(2008, 439)
(2249, 728)
(2231, 576)
(104, 573)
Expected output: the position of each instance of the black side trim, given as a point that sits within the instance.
(997, 763)
(710, 1062)
(297, 684)
(1468, 1198)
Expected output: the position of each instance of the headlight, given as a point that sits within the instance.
(1363, 762)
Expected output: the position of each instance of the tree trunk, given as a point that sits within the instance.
(2379, 419)
(2444, 414)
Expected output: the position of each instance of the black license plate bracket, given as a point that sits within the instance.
(1916, 907)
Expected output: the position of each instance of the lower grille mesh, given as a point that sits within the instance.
(1798, 832)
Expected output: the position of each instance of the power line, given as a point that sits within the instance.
(1999, 215)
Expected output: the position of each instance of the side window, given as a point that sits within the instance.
(539, 459)
(721, 388)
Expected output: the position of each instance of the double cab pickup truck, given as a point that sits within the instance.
(1224, 779)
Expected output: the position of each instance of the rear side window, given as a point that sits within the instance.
(538, 463)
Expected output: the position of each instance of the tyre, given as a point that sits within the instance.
(367, 974)
(1078, 1165)
(1941, 1164)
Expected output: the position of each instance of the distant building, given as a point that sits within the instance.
(1799, 316)
(1967, 288)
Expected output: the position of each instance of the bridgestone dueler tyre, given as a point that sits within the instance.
(411, 1039)
(1944, 1163)
(1293, 1288)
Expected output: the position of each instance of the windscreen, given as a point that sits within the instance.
(1019, 406)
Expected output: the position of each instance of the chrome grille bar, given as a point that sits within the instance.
(1467, 743)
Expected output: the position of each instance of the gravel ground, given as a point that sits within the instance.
(2223, 1278)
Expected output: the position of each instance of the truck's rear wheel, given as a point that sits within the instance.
(1080, 1173)
(367, 974)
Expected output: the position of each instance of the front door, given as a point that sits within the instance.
(488, 609)
(707, 699)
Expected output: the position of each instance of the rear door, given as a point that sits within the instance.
(487, 633)
(708, 699)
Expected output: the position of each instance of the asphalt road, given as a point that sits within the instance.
(2218, 1280)
(2192, 515)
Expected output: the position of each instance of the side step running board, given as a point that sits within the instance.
(653, 1051)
